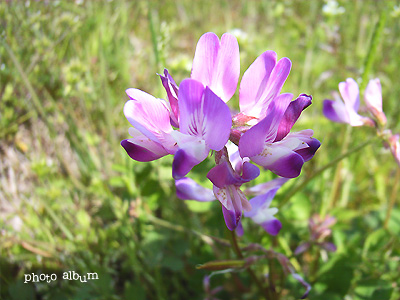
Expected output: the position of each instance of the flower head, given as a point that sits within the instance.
(346, 111)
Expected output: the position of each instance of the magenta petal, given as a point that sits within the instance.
(252, 141)
(272, 226)
(335, 111)
(140, 153)
(255, 80)
(308, 153)
(182, 164)
(264, 188)
(231, 217)
(328, 246)
(250, 172)
(217, 64)
(239, 229)
(291, 115)
(260, 201)
(203, 114)
(222, 175)
(172, 93)
(217, 121)
(301, 248)
(188, 189)
(190, 98)
(280, 160)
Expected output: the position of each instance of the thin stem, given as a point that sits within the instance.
(392, 198)
(300, 186)
(239, 254)
(376, 36)
(208, 239)
(338, 173)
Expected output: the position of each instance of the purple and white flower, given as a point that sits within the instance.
(216, 64)
(204, 124)
(373, 100)
(346, 111)
(270, 144)
(261, 212)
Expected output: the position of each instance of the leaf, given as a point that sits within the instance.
(222, 265)
(375, 241)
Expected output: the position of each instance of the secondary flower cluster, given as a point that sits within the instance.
(346, 111)
(196, 119)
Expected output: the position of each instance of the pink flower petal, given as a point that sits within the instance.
(217, 64)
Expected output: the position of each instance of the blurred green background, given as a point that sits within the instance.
(71, 199)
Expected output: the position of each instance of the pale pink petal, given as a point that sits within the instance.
(261, 83)
(217, 64)
(350, 94)
(188, 189)
(373, 100)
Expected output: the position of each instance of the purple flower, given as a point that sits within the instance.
(373, 100)
(216, 64)
(346, 111)
(394, 145)
(172, 94)
(269, 143)
(204, 121)
(261, 212)
(319, 230)
(188, 189)
(227, 182)
(227, 190)
(261, 84)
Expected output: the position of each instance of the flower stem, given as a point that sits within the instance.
(301, 185)
(239, 254)
(392, 198)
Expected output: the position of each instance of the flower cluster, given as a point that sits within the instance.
(346, 111)
(196, 119)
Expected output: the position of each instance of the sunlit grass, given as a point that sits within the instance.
(71, 199)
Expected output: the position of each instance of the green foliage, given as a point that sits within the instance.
(83, 205)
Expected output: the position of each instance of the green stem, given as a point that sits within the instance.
(239, 254)
(206, 238)
(380, 25)
(338, 173)
(300, 186)
(153, 35)
(392, 198)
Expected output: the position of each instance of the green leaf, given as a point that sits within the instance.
(222, 265)
(375, 241)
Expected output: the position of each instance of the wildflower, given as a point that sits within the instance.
(320, 231)
(270, 144)
(347, 111)
(261, 83)
(394, 145)
(373, 100)
(172, 94)
(204, 124)
(216, 64)
(261, 212)
(226, 189)
(188, 189)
